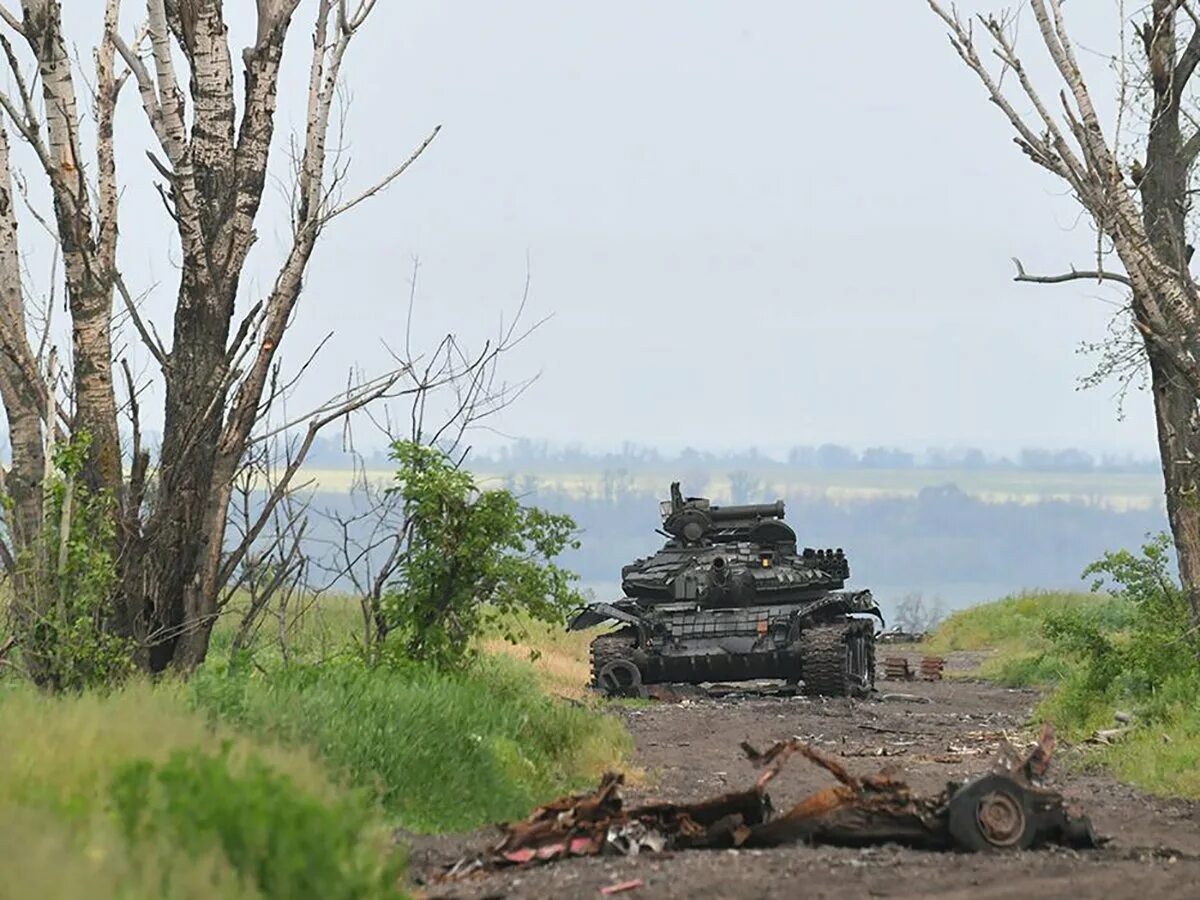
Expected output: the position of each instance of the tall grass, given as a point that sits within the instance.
(559, 657)
(1161, 752)
(439, 751)
(1010, 632)
(285, 774)
(59, 836)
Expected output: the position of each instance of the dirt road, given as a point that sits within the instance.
(690, 750)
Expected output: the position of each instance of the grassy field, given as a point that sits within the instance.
(61, 834)
(266, 779)
(1009, 631)
(1159, 752)
(1115, 490)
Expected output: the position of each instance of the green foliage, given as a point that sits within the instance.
(1038, 667)
(1015, 620)
(284, 842)
(1133, 649)
(66, 580)
(1159, 655)
(1011, 632)
(472, 559)
(1132, 644)
(61, 827)
(1151, 663)
(440, 750)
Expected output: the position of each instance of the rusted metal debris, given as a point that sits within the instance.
(898, 668)
(897, 636)
(932, 667)
(1007, 808)
(621, 887)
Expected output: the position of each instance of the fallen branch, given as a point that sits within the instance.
(881, 730)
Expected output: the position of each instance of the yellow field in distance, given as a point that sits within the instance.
(1111, 490)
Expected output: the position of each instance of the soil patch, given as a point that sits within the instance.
(939, 732)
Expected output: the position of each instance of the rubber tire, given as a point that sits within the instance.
(609, 648)
(963, 822)
(825, 659)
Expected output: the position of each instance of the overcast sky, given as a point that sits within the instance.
(755, 223)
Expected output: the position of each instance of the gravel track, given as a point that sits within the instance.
(690, 750)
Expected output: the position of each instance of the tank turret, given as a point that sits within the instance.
(729, 597)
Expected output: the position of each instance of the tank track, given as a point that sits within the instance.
(609, 647)
(825, 660)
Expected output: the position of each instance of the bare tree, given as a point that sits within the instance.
(1142, 208)
(916, 615)
(370, 542)
(212, 152)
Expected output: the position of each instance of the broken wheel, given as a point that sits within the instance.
(620, 678)
(992, 813)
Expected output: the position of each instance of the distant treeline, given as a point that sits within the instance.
(942, 542)
(528, 454)
(525, 455)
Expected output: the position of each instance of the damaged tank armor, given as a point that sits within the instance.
(730, 598)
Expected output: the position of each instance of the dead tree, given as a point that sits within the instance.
(212, 151)
(369, 543)
(1142, 210)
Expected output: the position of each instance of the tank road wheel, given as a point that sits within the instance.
(992, 813)
(838, 660)
(613, 670)
(620, 678)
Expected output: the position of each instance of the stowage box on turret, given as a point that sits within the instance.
(730, 598)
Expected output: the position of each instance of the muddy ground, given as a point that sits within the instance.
(690, 750)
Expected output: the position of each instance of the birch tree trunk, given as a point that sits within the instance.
(25, 405)
(89, 278)
(1146, 221)
(213, 155)
(1165, 203)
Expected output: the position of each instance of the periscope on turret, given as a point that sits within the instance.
(729, 597)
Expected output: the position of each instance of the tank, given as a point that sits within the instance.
(729, 598)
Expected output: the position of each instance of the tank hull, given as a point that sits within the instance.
(822, 645)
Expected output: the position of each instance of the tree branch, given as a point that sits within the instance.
(1188, 61)
(147, 88)
(328, 413)
(170, 104)
(1073, 275)
(1191, 149)
(383, 183)
(156, 349)
(26, 119)
(11, 20)
(1037, 148)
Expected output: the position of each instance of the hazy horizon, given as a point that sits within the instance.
(754, 224)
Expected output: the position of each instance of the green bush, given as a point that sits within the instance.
(1150, 663)
(1157, 658)
(1133, 649)
(283, 842)
(65, 583)
(1012, 632)
(471, 559)
(441, 751)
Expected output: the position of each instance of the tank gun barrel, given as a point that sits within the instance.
(748, 511)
